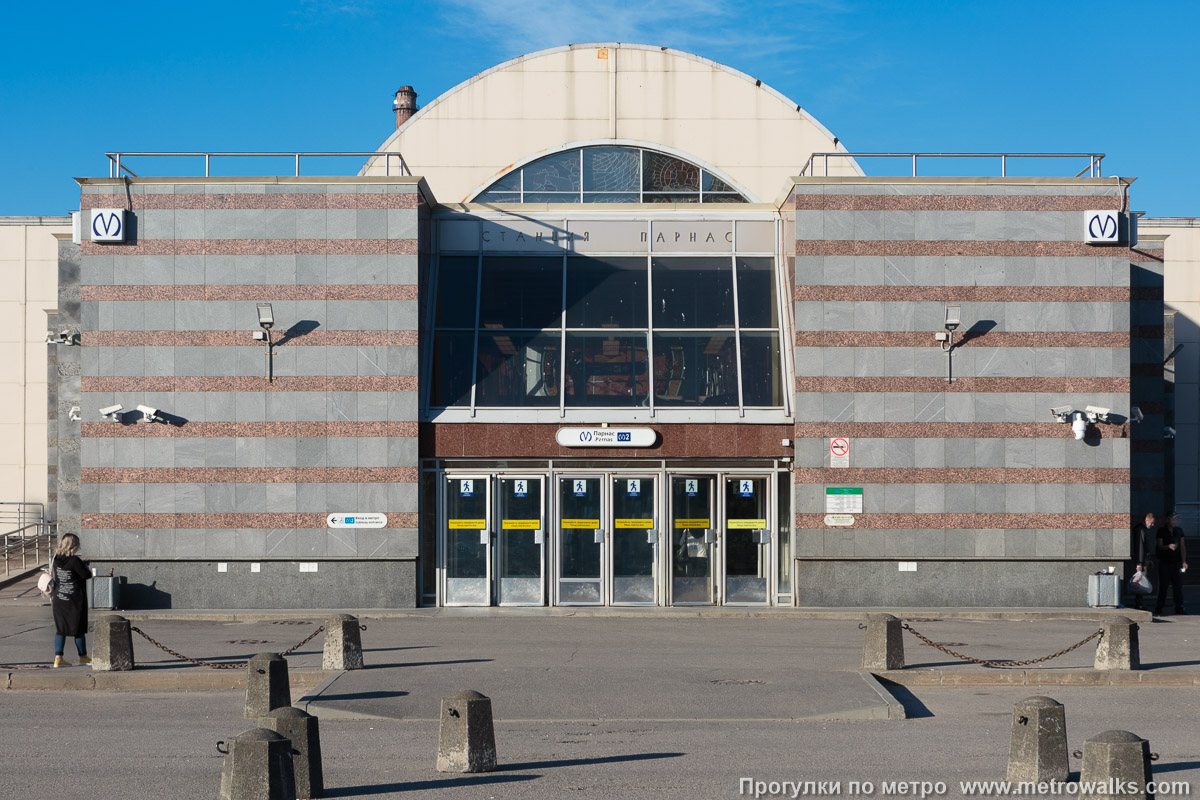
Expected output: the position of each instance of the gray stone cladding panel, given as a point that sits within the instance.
(937, 453)
(948, 407)
(898, 270)
(902, 225)
(976, 361)
(871, 316)
(978, 584)
(152, 584)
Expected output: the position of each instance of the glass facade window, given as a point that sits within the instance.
(610, 174)
(568, 331)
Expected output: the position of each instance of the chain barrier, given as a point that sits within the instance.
(214, 664)
(1002, 664)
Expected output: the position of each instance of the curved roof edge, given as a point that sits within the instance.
(619, 45)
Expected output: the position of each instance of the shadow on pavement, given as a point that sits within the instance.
(414, 786)
(1164, 664)
(428, 663)
(913, 707)
(579, 762)
(376, 695)
(1178, 766)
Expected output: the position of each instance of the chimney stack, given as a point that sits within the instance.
(405, 104)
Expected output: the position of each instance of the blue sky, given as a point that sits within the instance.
(80, 79)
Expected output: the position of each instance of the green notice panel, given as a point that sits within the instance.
(844, 501)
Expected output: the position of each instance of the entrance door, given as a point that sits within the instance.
(635, 535)
(580, 541)
(520, 549)
(467, 546)
(747, 541)
(693, 534)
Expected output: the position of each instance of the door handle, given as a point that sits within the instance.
(484, 536)
(599, 536)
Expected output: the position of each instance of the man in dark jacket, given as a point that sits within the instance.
(1172, 562)
(1141, 552)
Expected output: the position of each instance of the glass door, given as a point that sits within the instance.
(634, 540)
(520, 548)
(466, 537)
(580, 541)
(692, 537)
(747, 540)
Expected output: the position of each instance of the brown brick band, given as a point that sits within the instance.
(250, 475)
(314, 338)
(229, 430)
(258, 292)
(930, 247)
(256, 200)
(283, 521)
(959, 476)
(989, 339)
(946, 430)
(992, 294)
(286, 383)
(954, 202)
(961, 385)
(940, 522)
(253, 247)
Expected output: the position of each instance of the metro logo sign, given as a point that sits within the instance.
(108, 224)
(1101, 227)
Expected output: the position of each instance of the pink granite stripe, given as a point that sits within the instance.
(996, 294)
(283, 383)
(252, 292)
(941, 430)
(252, 247)
(954, 202)
(315, 338)
(1143, 255)
(220, 430)
(400, 519)
(306, 200)
(911, 384)
(989, 339)
(250, 475)
(950, 475)
(929, 247)
(973, 521)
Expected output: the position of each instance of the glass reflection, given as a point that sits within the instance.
(517, 369)
(693, 293)
(698, 369)
(757, 306)
(606, 293)
(451, 379)
(521, 292)
(606, 370)
(457, 278)
(761, 383)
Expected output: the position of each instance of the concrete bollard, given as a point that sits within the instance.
(258, 766)
(1037, 749)
(883, 647)
(301, 728)
(466, 738)
(267, 686)
(112, 645)
(343, 646)
(1118, 647)
(1119, 763)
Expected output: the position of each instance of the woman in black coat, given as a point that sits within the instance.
(69, 600)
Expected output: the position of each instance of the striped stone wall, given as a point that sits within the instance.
(973, 480)
(247, 468)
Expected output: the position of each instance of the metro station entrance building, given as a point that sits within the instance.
(597, 328)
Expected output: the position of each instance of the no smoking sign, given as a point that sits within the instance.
(839, 452)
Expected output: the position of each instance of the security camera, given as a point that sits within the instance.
(111, 412)
(149, 414)
(1168, 432)
(1135, 414)
(1079, 425)
(1096, 413)
(1062, 413)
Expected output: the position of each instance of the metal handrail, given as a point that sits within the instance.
(115, 167)
(1093, 167)
(46, 533)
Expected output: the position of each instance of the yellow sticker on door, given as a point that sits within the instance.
(467, 524)
(746, 524)
(521, 524)
(634, 523)
(693, 523)
(592, 524)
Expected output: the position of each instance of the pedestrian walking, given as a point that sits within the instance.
(69, 600)
(1172, 563)
(1142, 545)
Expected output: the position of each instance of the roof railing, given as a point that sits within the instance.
(1093, 167)
(116, 167)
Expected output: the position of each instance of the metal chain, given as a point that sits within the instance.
(1003, 664)
(213, 664)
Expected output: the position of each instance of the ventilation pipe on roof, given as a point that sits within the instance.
(405, 104)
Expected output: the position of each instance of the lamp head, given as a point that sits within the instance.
(266, 317)
(953, 317)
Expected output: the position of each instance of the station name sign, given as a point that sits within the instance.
(606, 437)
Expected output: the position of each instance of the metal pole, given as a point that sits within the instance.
(1003, 166)
(118, 165)
(914, 159)
(206, 156)
(297, 165)
(826, 158)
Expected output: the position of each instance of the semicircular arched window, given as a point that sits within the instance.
(610, 174)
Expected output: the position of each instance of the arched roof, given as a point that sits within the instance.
(596, 93)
